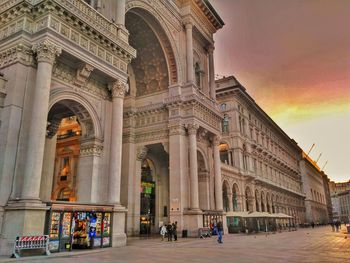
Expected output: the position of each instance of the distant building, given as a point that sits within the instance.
(260, 163)
(340, 195)
(315, 191)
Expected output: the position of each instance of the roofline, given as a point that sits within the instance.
(214, 13)
(242, 89)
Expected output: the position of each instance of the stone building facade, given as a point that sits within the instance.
(112, 106)
(138, 76)
(260, 169)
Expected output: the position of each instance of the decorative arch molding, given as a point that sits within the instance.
(61, 94)
(173, 57)
(228, 187)
(223, 141)
(205, 157)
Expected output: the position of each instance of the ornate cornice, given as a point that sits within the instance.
(74, 22)
(155, 135)
(46, 51)
(118, 89)
(19, 53)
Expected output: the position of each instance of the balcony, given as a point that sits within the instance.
(74, 25)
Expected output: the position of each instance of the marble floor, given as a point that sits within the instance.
(305, 245)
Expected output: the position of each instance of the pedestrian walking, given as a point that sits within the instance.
(169, 230)
(163, 231)
(313, 224)
(337, 226)
(219, 229)
(174, 228)
(332, 225)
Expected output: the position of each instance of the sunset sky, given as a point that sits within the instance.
(293, 57)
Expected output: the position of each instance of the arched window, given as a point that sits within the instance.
(197, 72)
(225, 197)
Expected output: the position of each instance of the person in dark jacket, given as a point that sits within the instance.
(169, 230)
(174, 227)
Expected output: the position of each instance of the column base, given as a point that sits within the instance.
(193, 220)
(118, 227)
(21, 218)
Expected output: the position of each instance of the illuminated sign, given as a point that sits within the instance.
(147, 187)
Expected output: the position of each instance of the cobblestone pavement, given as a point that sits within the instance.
(305, 245)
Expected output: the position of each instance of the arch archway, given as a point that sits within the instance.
(248, 199)
(257, 201)
(72, 150)
(235, 201)
(156, 17)
(155, 68)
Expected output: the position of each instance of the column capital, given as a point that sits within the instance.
(91, 147)
(177, 129)
(46, 51)
(118, 89)
(211, 49)
(188, 24)
(192, 128)
(216, 140)
(141, 153)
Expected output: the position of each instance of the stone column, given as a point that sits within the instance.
(118, 90)
(120, 17)
(88, 171)
(189, 52)
(192, 134)
(46, 54)
(217, 174)
(212, 73)
(48, 168)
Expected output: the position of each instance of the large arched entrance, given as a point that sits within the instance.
(71, 154)
(153, 196)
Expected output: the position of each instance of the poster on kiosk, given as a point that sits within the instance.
(69, 230)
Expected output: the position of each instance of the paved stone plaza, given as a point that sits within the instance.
(305, 245)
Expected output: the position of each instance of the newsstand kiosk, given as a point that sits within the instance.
(78, 226)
